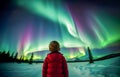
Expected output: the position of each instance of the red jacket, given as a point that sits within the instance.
(55, 65)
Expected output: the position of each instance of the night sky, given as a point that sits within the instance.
(27, 26)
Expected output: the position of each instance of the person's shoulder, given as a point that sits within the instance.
(61, 55)
(48, 55)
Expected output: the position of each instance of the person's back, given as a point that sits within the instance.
(54, 64)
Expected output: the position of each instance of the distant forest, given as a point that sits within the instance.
(6, 58)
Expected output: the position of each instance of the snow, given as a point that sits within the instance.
(105, 68)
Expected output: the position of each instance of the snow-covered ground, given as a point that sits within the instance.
(105, 68)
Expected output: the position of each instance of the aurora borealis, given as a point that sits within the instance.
(29, 25)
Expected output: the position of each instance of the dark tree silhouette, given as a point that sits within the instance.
(31, 59)
(12, 57)
(90, 56)
(7, 56)
(15, 57)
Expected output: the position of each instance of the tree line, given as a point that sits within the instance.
(5, 57)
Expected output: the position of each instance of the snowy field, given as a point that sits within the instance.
(105, 68)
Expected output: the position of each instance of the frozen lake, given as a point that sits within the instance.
(105, 68)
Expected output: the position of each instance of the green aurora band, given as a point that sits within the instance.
(56, 14)
(101, 31)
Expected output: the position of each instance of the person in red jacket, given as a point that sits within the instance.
(54, 64)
